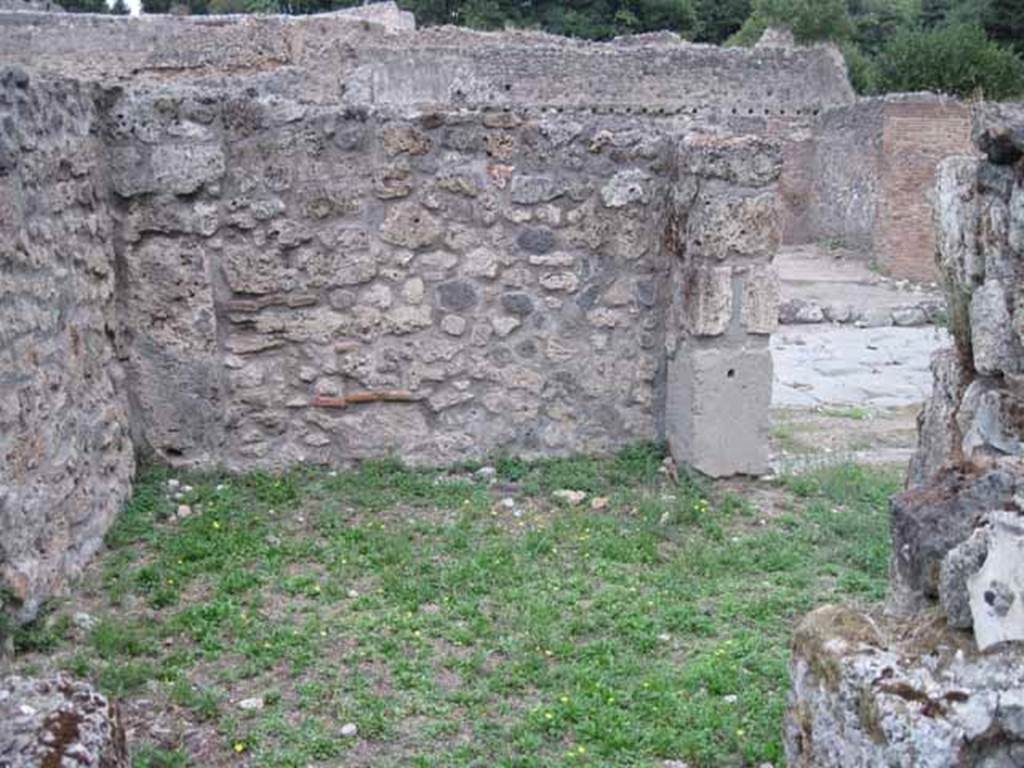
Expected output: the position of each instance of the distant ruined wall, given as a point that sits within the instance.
(66, 460)
(871, 166)
(382, 61)
(917, 136)
(844, 194)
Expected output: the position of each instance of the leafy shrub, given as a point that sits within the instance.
(809, 20)
(956, 59)
(862, 70)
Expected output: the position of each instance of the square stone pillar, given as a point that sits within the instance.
(725, 296)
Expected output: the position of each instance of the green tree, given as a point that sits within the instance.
(243, 6)
(876, 21)
(809, 20)
(84, 6)
(717, 20)
(594, 19)
(862, 69)
(954, 58)
(119, 8)
(674, 15)
(1004, 22)
(934, 12)
(194, 7)
(485, 14)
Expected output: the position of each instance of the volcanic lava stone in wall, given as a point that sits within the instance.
(66, 459)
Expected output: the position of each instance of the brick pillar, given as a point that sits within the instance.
(917, 134)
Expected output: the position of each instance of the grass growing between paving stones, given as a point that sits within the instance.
(852, 412)
(456, 628)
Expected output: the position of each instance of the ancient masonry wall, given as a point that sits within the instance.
(384, 62)
(917, 134)
(484, 281)
(910, 686)
(66, 460)
(251, 242)
(322, 284)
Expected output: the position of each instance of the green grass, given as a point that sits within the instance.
(853, 412)
(788, 437)
(455, 631)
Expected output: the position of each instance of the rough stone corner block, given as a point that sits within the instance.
(858, 700)
(761, 298)
(997, 590)
(717, 410)
(709, 300)
(58, 721)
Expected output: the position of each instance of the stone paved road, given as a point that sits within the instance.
(840, 365)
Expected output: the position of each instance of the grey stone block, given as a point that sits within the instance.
(717, 409)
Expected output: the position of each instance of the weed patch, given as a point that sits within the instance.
(464, 618)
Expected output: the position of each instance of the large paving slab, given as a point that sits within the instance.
(836, 365)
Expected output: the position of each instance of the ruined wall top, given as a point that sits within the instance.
(374, 56)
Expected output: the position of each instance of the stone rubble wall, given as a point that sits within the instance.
(256, 249)
(496, 279)
(971, 432)
(66, 460)
(325, 284)
(974, 413)
(913, 687)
